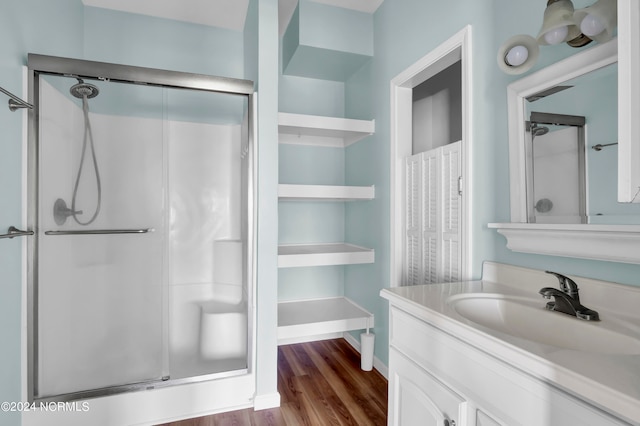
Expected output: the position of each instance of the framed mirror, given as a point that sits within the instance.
(593, 230)
(571, 152)
(570, 97)
(629, 101)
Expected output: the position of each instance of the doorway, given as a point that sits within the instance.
(403, 87)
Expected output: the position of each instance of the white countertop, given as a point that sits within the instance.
(610, 381)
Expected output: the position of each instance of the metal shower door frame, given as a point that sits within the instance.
(52, 65)
(554, 119)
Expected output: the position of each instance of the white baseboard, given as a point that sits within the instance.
(264, 402)
(377, 364)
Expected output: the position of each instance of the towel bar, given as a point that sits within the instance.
(15, 232)
(100, 231)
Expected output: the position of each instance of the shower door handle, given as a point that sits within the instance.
(15, 232)
(100, 231)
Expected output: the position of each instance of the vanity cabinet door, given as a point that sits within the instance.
(483, 419)
(417, 398)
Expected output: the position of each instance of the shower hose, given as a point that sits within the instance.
(87, 140)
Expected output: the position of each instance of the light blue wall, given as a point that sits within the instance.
(25, 26)
(326, 42)
(251, 42)
(304, 95)
(405, 31)
(328, 27)
(132, 39)
(267, 269)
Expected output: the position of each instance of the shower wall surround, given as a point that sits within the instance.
(205, 247)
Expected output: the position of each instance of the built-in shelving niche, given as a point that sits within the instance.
(297, 320)
(303, 320)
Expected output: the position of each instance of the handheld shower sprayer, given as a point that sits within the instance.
(83, 91)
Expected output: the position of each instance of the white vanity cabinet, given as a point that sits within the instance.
(436, 378)
(417, 393)
(418, 398)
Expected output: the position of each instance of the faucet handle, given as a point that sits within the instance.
(567, 285)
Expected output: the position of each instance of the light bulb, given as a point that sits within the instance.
(591, 26)
(556, 35)
(517, 56)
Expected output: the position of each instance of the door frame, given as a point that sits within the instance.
(457, 48)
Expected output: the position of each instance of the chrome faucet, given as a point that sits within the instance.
(567, 299)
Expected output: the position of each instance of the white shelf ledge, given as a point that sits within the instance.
(296, 255)
(301, 320)
(325, 192)
(318, 130)
(614, 243)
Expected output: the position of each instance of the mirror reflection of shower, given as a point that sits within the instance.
(537, 130)
(556, 164)
(61, 212)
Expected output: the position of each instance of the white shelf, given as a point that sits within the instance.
(325, 192)
(299, 320)
(322, 131)
(613, 243)
(296, 255)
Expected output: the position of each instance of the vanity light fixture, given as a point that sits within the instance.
(599, 20)
(561, 23)
(518, 54)
(558, 24)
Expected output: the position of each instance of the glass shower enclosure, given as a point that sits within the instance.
(141, 193)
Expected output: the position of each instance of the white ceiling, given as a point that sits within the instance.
(368, 6)
(229, 14)
(286, 8)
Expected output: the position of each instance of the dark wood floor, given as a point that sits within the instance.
(320, 383)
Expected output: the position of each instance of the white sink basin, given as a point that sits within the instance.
(528, 319)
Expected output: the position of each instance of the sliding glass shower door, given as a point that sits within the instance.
(100, 285)
(143, 247)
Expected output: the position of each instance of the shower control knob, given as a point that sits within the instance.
(61, 212)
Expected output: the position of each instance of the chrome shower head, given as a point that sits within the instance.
(539, 131)
(83, 89)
